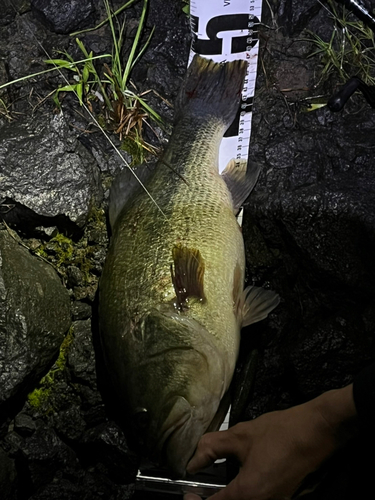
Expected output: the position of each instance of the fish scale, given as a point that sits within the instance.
(171, 293)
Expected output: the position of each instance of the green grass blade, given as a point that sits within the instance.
(116, 60)
(23, 78)
(118, 11)
(83, 61)
(144, 47)
(82, 48)
(79, 91)
(129, 62)
(149, 110)
(61, 63)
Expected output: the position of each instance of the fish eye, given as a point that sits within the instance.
(141, 418)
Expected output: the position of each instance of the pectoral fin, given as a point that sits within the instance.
(187, 274)
(256, 303)
(240, 178)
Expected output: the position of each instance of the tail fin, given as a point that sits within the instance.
(211, 88)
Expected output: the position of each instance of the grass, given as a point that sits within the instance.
(125, 110)
(350, 51)
(119, 106)
(186, 7)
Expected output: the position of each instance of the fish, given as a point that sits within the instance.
(171, 296)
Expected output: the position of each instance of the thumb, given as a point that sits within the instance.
(212, 446)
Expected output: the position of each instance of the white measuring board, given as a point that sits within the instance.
(225, 30)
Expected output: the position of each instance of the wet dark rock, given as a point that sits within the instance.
(293, 16)
(43, 454)
(24, 424)
(97, 261)
(75, 484)
(309, 230)
(81, 356)
(8, 475)
(69, 423)
(108, 159)
(9, 10)
(81, 310)
(34, 315)
(12, 443)
(64, 16)
(164, 64)
(74, 276)
(47, 170)
(106, 444)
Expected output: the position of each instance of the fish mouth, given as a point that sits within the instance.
(173, 439)
(172, 456)
(167, 435)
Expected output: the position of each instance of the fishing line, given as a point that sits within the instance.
(94, 119)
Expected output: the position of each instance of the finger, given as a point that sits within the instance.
(230, 492)
(211, 447)
(191, 496)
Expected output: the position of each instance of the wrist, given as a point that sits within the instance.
(338, 411)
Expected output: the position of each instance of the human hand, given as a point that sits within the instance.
(277, 450)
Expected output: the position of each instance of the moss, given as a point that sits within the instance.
(135, 149)
(63, 248)
(97, 216)
(41, 397)
(62, 251)
(64, 349)
(59, 250)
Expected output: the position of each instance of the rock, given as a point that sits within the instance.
(43, 454)
(47, 170)
(74, 276)
(34, 315)
(81, 356)
(77, 484)
(10, 10)
(64, 16)
(293, 15)
(106, 444)
(8, 475)
(309, 229)
(69, 423)
(24, 424)
(81, 310)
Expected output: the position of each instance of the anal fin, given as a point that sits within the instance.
(240, 178)
(256, 304)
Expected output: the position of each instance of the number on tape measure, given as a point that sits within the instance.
(224, 23)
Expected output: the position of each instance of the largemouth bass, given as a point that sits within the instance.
(171, 297)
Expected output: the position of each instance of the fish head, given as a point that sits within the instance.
(175, 391)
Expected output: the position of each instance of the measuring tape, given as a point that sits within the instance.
(227, 30)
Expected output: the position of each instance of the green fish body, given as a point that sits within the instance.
(171, 297)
